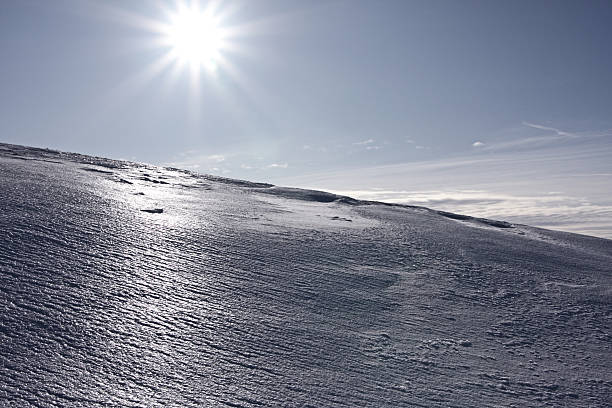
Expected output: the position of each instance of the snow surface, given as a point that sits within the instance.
(243, 294)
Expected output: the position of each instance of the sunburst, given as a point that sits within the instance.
(195, 37)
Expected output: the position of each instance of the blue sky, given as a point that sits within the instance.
(492, 108)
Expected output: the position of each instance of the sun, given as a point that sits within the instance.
(190, 38)
(195, 37)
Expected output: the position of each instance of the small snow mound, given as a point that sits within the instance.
(96, 170)
(485, 221)
(495, 223)
(236, 182)
(309, 195)
(455, 216)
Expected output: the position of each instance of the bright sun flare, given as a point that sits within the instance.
(195, 37)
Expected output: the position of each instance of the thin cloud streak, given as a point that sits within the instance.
(216, 157)
(559, 137)
(364, 142)
(278, 166)
(552, 129)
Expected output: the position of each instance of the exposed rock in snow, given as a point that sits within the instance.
(154, 210)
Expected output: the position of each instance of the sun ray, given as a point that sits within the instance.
(196, 44)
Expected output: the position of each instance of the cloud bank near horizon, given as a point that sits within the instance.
(549, 186)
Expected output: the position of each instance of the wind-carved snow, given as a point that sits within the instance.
(243, 294)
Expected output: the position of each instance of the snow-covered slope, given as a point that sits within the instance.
(243, 294)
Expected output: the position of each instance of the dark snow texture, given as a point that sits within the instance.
(243, 294)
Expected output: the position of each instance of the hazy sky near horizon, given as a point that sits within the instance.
(502, 108)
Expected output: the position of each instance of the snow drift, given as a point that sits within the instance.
(132, 285)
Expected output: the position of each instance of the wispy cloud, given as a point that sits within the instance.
(218, 158)
(321, 149)
(478, 143)
(554, 136)
(368, 145)
(278, 166)
(552, 129)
